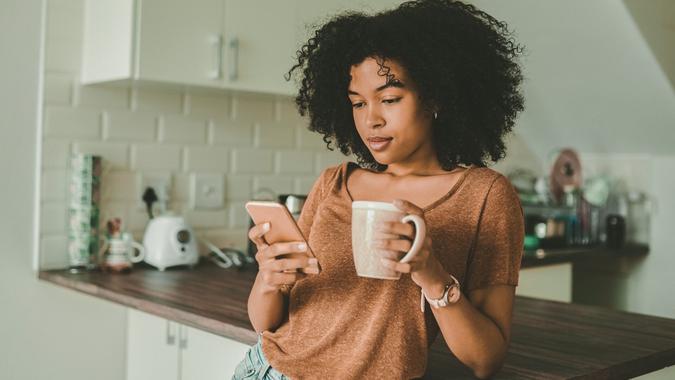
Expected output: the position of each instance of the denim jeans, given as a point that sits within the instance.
(255, 366)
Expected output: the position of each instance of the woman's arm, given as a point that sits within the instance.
(266, 308)
(477, 328)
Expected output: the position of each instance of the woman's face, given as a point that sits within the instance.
(388, 116)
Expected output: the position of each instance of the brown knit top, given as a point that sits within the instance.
(341, 326)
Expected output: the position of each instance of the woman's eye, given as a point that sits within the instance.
(357, 105)
(390, 101)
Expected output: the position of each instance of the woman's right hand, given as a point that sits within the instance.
(276, 271)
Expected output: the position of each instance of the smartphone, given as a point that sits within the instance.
(283, 227)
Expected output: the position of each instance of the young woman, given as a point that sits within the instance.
(423, 95)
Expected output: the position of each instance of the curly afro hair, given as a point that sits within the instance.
(461, 60)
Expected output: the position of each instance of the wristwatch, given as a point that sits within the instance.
(451, 295)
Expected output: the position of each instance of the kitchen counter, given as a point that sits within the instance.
(599, 253)
(550, 340)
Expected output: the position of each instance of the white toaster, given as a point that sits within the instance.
(169, 241)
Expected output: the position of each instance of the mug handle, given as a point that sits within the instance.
(141, 252)
(420, 235)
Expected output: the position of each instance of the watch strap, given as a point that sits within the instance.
(451, 294)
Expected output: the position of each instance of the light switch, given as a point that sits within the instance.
(207, 191)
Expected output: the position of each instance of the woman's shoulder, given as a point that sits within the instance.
(482, 176)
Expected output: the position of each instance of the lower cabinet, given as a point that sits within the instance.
(161, 349)
(550, 282)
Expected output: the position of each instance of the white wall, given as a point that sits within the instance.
(593, 84)
(46, 332)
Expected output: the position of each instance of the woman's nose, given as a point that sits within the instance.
(374, 117)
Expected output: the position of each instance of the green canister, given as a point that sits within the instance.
(83, 211)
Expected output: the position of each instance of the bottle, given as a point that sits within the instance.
(638, 221)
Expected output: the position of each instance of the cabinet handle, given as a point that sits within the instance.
(182, 331)
(170, 335)
(217, 42)
(233, 45)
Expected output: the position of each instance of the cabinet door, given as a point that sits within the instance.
(259, 45)
(150, 353)
(551, 282)
(179, 41)
(206, 356)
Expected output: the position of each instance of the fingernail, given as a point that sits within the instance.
(313, 261)
(398, 202)
(312, 270)
(302, 246)
(266, 227)
(384, 261)
(377, 244)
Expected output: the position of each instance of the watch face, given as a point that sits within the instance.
(453, 294)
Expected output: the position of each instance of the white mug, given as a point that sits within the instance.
(122, 249)
(366, 215)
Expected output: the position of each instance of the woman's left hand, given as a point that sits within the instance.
(424, 267)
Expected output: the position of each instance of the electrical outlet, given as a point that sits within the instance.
(160, 182)
(207, 191)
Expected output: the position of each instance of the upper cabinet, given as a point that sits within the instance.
(245, 45)
(260, 45)
(172, 41)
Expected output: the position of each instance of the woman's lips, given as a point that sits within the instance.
(379, 143)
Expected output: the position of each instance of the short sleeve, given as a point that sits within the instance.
(498, 245)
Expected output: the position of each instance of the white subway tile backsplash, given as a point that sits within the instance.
(182, 129)
(54, 186)
(239, 187)
(72, 123)
(258, 141)
(329, 158)
(101, 96)
(274, 135)
(53, 251)
(156, 157)
(227, 237)
(120, 186)
(207, 158)
(180, 187)
(110, 210)
(210, 105)
(238, 215)
(252, 161)
(295, 162)
(156, 100)
(277, 184)
(288, 113)
(54, 217)
(131, 126)
(254, 108)
(206, 218)
(115, 155)
(230, 133)
(306, 139)
(303, 185)
(58, 88)
(55, 154)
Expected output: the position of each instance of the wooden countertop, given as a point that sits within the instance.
(598, 253)
(550, 340)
